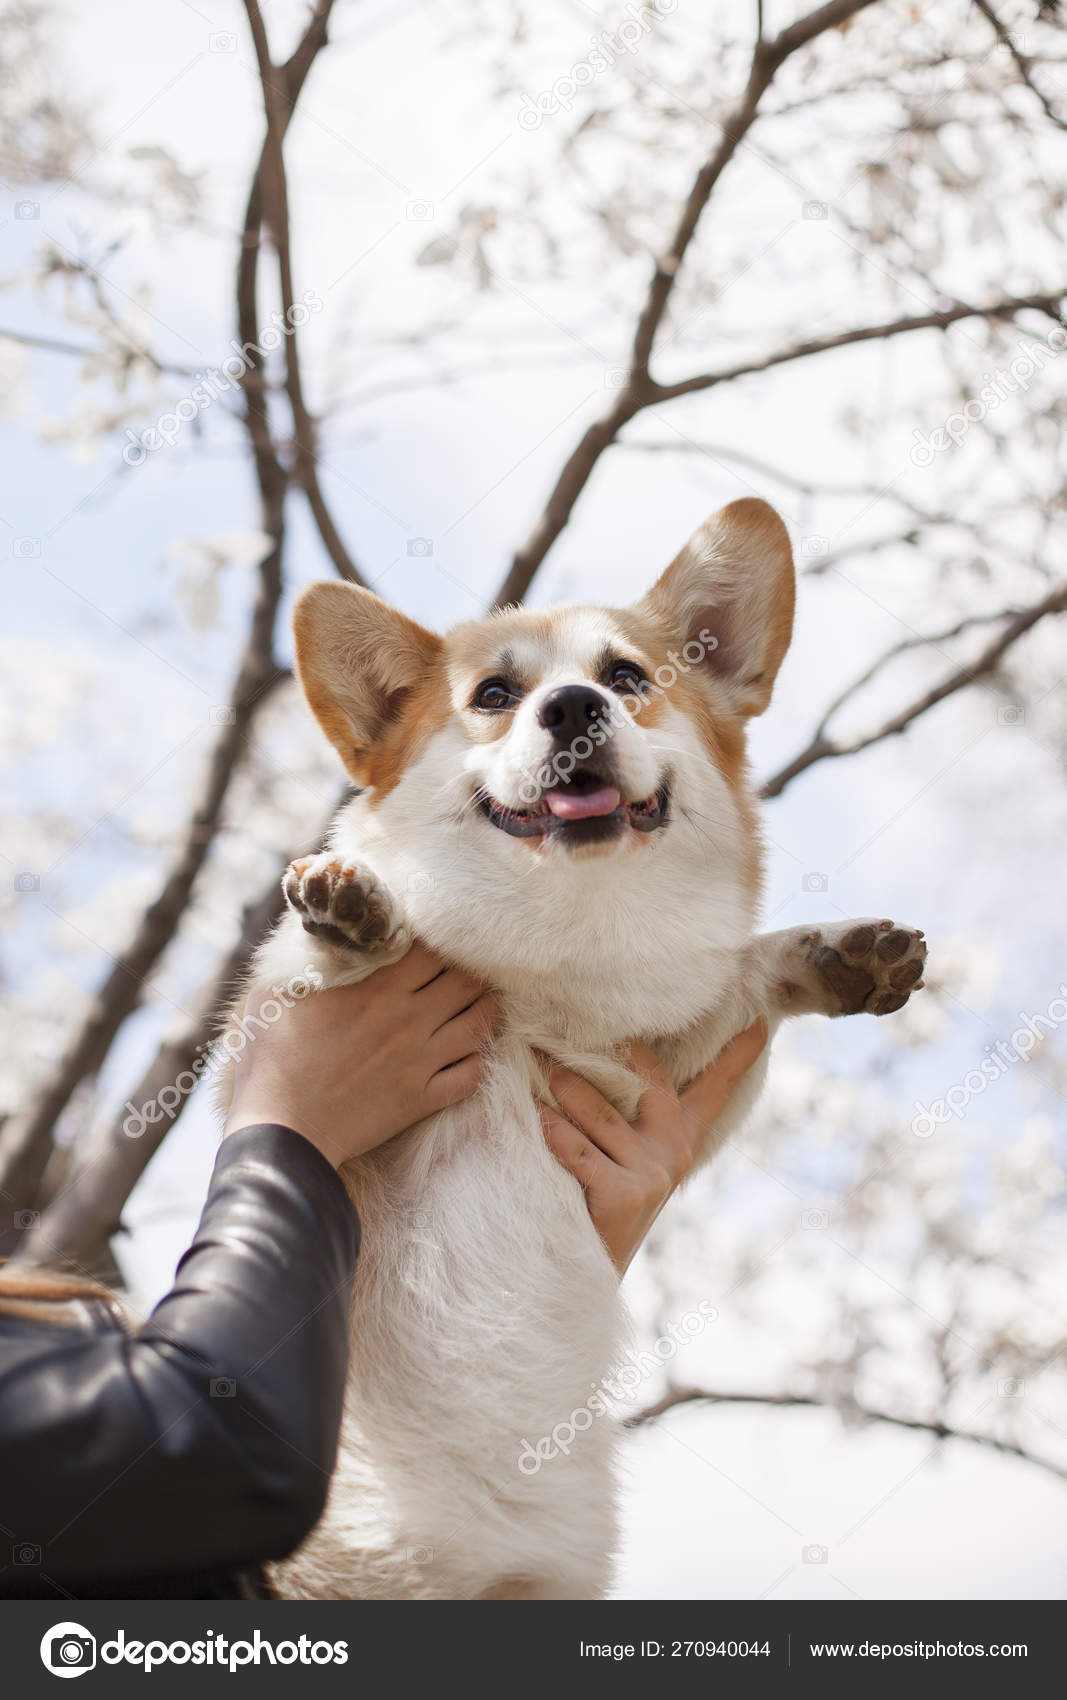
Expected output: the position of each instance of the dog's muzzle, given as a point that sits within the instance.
(584, 809)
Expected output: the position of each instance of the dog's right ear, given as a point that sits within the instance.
(358, 659)
(732, 588)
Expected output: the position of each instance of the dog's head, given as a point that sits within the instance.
(536, 742)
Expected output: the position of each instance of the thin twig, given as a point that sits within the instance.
(1006, 308)
(822, 748)
(1021, 62)
(57, 345)
(862, 1413)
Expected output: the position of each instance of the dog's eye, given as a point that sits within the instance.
(495, 695)
(625, 676)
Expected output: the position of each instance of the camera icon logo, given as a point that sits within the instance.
(26, 548)
(815, 1554)
(25, 1219)
(816, 209)
(27, 209)
(420, 210)
(421, 882)
(420, 546)
(223, 1387)
(25, 1553)
(815, 545)
(222, 715)
(816, 1218)
(223, 41)
(815, 882)
(1011, 714)
(419, 1555)
(27, 881)
(615, 378)
(68, 1649)
(1013, 1388)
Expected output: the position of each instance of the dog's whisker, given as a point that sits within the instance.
(690, 816)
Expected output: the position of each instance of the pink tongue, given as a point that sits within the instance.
(572, 805)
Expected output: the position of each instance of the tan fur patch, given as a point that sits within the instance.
(425, 711)
(372, 678)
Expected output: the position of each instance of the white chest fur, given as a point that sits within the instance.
(485, 1312)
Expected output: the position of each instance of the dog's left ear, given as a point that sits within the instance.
(359, 660)
(730, 592)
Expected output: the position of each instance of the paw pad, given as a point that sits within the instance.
(892, 946)
(869, 965)
(339, 902)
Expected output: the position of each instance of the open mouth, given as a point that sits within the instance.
(584, 810)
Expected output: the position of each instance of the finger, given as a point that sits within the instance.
(662, 1123)
(469, 1031)
(451, 1085)
(445, 996)
(658, 1112)
(647, 1064)
(416, 969)
(706, 1095)
(598, 1119)
(570, 1146)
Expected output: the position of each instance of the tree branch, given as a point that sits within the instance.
(293, 76)
(78, 1222)
(803, 486)
(278, 108)
(442, 378)
(676, 1397)
(822, 748)
(1021, 62)
(1003, 309)
(26, 1139)
(639, 391)
(57, 345)
(76, 1226)
(754, 463)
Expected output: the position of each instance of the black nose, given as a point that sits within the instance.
(572, 711)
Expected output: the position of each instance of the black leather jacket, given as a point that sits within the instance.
(167, 1460)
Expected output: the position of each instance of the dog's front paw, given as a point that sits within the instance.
(343, 904)
(867, 965)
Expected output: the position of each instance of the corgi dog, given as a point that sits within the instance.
(559, 803)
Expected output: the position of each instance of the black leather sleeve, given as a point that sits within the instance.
(204, 1441)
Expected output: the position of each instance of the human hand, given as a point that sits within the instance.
(630, 1170)
(351, 1067)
